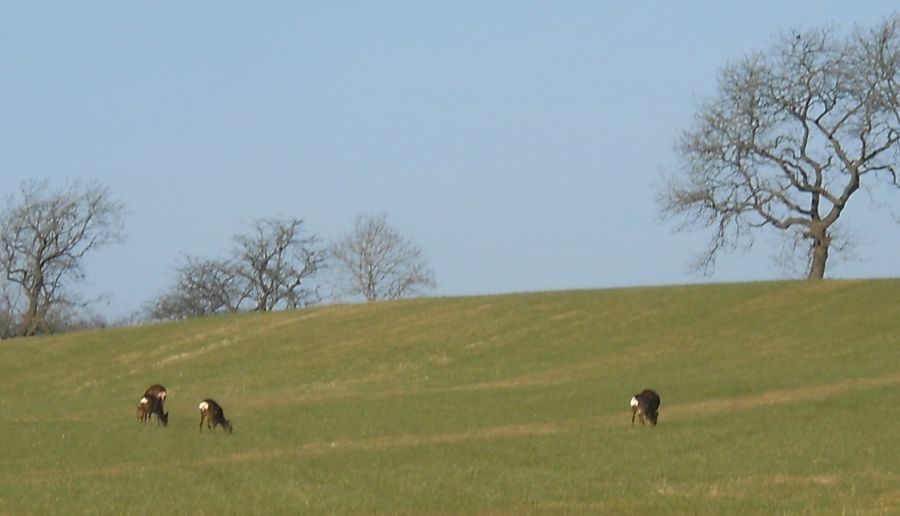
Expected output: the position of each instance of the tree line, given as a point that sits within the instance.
(46, 235)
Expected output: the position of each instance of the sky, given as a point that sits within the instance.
(516, 142)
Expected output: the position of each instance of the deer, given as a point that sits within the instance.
(211, 412)
(645, 405)
(150, 405)
(158, 391)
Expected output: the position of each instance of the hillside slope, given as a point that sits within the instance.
(775, 397)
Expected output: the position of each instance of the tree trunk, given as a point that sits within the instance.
(819, 253)
(33, 318)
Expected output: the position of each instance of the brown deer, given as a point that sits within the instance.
(157, 391)
(211, 412)
(645, 405)
(150, 405)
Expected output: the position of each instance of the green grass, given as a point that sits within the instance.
(776, 398)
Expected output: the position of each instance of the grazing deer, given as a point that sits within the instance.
(150, 405)
(211, 412)
(645, 405)
(157, 391)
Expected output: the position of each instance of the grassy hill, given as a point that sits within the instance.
(776, 398)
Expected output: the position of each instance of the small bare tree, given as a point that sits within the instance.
(376, 262)
(791, 136)
(276, 262)
(269, 268)
(204, 287)
(44, 239)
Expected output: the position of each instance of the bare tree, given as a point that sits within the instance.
(276, 262)
(44, 239)
(269, 268)
(204, 287)
(376, 262)
(791, 136)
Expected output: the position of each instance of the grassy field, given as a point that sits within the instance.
(776, 398)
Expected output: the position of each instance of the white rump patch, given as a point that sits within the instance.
(204, 406)
(634, 401)
(144, 400)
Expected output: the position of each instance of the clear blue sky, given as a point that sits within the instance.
(515, 141)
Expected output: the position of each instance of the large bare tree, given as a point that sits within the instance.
(45, 236)
(376, 262)
(793, 133)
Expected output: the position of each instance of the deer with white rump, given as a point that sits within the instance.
(152, 403)
(645, 405)
(158, 391)
(211, 412)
